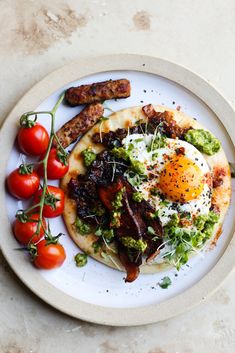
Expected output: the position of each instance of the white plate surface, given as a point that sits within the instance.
(97, 283)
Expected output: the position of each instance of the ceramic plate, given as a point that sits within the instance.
(96, 292)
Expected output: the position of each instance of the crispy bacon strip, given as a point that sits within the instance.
(108, 193)
(98, 92)
(130, 223)
(149, 111)
(134, 221)
(132, 270)
(77, 126)
(170, 127)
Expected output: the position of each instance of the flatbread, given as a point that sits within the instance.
(123, 119)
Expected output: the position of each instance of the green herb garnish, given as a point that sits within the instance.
(89, 156)
(164, 203)
(80, 259)
(137, 196)
(154, 191)
(96, 245)
(183, 241)
(135, 165)
(158, 141)
(108, 234)
(115, 219)
(132, 243)
(121, 152)
(150, 230)
(117, 202)
(165, 282)
(82, 227)
(134, 179)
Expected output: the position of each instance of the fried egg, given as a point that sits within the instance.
(178, 178)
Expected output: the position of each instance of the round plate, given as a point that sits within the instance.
(97, 293)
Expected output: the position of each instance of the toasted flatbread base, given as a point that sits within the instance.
(123, 119)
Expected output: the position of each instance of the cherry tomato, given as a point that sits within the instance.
(23, 182)
(33, 140)
(49, 256)
(25, 231)
(57, 165)
(54, 201)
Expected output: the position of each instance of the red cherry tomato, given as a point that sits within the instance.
(54, 201)
(23, 183)
(33, 140)
(49, 256)
(57, 165)
(25, 231)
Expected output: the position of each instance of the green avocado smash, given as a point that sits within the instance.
(136, 166)
(82, 227)
(117, 202)
(88, 156)
(137, 197)
(107, 234)
(203, 140)
(80, 259)
(165, 282)
(116, 212)
(132, 243)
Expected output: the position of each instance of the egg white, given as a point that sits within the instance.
(140, 151)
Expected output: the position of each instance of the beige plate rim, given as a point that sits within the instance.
(28, 275)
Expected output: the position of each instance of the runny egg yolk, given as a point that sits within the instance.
(181, 180)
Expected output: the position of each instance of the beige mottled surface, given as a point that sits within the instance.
(37, 37)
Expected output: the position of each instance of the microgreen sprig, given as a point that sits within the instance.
(102, 119)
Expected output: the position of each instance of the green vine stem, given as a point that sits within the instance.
(45, 160)
(52, 135)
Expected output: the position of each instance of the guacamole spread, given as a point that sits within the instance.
(82, 227)
(88, 156)
(203, 140)
(132, 243)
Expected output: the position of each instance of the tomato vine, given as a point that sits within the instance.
(26, 121)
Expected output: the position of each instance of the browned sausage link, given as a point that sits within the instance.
(98, 92)
(82, 122)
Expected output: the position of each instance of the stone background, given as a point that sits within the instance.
(37, 37)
